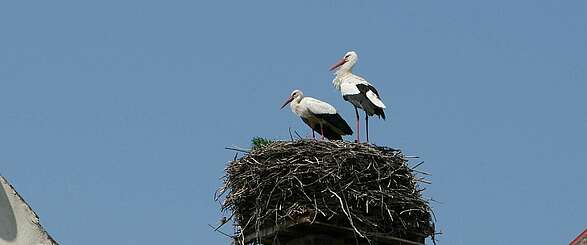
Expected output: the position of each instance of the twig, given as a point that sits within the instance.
(237, 149)
(221, 232)
(346, 213)
(417, 165)
(290, 136)
(300, 137)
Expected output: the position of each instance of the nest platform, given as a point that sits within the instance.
(352, 193)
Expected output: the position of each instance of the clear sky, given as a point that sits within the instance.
(114, 115)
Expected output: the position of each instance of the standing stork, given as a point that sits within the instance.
(319, 115)
(357, 91)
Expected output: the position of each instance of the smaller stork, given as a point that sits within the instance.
(319, 115)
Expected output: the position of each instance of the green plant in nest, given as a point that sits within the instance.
(260, 142)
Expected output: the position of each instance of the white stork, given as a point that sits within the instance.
(319, 115)
(357, 90)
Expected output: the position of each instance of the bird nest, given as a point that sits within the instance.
(367, 188)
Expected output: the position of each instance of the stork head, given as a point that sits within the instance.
(296, 94)
(347, 62)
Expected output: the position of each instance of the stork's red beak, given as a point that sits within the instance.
(339, 63)
(289, 99)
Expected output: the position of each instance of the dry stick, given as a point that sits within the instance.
(302, 188)
(224, 221)
(420, 172)
(423, 181)
(347, 214)
(290, 136)
(315, 209)
(409, 210)
(247, 224)
(417, 165)
(221, 232)
(298, 134)
(271, 193)
(237, 149)
(242, 237)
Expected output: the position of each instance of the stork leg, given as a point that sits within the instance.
(367, 126)
(358, 129)
(321, 132)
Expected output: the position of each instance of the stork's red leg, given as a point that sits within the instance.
(321, 131)
(367, 126)
(358, 129)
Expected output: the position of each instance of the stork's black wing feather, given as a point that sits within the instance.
(361, 100)
(363, 88)
(336, 121)
(329, 133)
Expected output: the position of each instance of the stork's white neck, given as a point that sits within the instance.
(343, 71)
(296, 107)
(296, 101)
(339, 76)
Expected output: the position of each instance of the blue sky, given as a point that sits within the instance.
(115, 114)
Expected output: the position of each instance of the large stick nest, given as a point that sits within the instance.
(367, 188)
